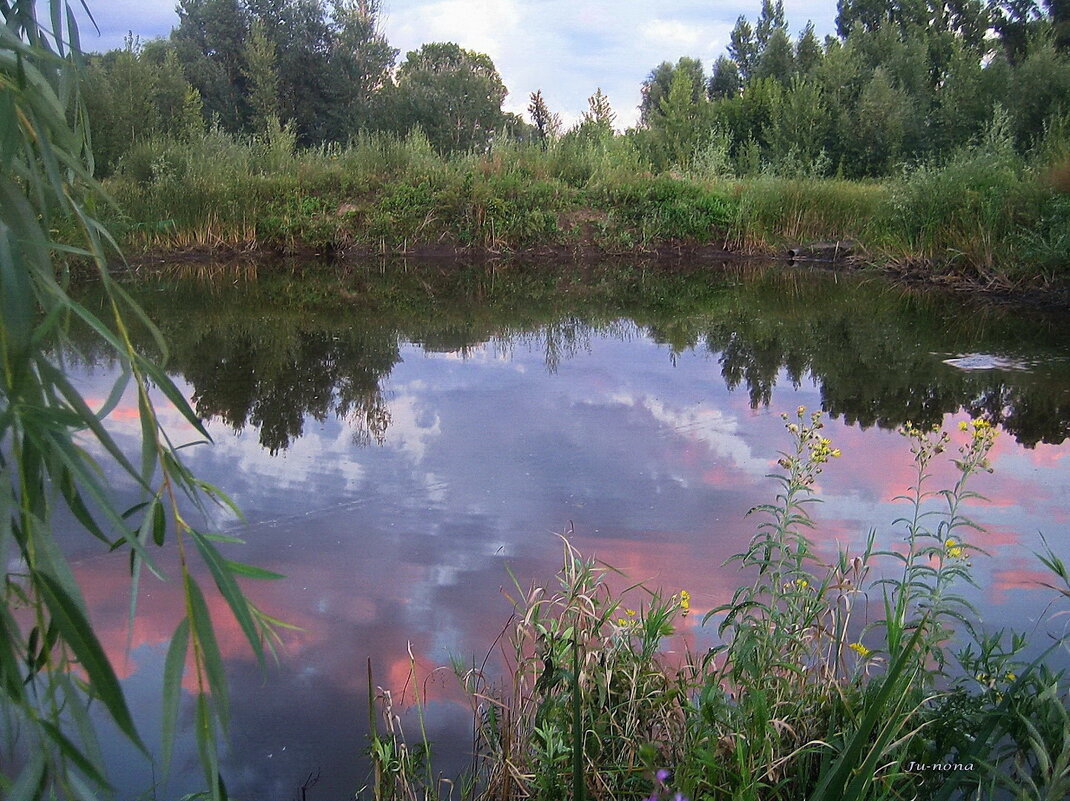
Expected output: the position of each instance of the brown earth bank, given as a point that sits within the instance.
(669, 256)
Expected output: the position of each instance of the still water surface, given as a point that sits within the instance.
(400, 439)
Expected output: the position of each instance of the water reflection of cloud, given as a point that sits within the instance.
(705, 423)
(413, 426)
(652, 460)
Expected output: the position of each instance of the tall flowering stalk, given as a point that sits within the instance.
(938, 550)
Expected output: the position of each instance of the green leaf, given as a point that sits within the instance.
(835, 781)
(87, 416)
(173, 670)
(204, 635)
(70, 493)
(168, 388)
(159, 524)
(231, 592)
(71, 752)
(206, 745)
(79, 636)
(30, 783)
(242, 569)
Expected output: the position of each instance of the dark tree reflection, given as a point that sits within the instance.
(277, 351)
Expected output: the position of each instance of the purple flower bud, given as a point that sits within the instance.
(662, 775)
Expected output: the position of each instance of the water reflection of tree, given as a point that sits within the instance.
(256, 357)
(274, 374)
(878, 354)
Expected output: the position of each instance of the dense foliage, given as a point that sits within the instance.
(900, 83)
(56, 680)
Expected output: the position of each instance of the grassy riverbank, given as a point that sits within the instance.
(985, 214)
(866, 676)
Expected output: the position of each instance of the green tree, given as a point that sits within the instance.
(1059, 15)
(964, 103)
(597, 121)
(970, 20)
(134, 94)
(868, 15)
(1040, 88)
(798, 126)
(841, 76)
(682, 121)
(210, 42)
(53, 668)
(303, 43)
(547, 124)
(658, 83)
(770, 19)
(454, 95)
(776, 61)
(725, 81)
(261, 75)
(808, 51)
(743, 49)
(1015, 21)
(360, 64)
(118, 95)
(880, 125)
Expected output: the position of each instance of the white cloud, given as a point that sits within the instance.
(701, 422)
(566, 48)
(413, 427)
(673, 34)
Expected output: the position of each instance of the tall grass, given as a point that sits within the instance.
(983, 211)
(865, 677)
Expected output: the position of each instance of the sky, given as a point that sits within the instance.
(565, 48)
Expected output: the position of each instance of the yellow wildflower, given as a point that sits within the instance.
(629, 612)
(860, 649)
(685, 600)
(1011, 676)
(963, 425)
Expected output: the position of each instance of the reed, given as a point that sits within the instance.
(802, 698)
(984, 212)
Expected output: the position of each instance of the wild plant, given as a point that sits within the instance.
(400, 772)
(938, 553)
(806, 697)
(588, 705)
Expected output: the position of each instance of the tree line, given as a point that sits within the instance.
(900, 81)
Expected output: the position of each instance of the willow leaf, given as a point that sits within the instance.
(173, 669)
(70, 751)
(30, 783)
(79, 636)
(231, 592)
(204, 634)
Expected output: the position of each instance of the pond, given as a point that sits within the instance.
(401, 438)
